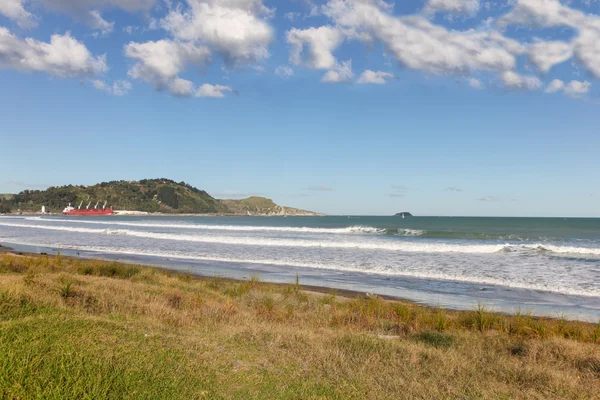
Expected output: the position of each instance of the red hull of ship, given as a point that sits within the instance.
(89, 212)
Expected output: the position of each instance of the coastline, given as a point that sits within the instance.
(320, 290)
(78, 328)
(313, 289)
(140, 214)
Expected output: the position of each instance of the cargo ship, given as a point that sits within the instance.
(87, 211)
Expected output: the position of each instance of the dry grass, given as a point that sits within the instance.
(92, 329)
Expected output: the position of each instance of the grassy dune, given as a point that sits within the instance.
(92, 329)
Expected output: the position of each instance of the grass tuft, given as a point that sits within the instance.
(436, 339)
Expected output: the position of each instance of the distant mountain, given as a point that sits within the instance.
(262, 206)
(149, 195)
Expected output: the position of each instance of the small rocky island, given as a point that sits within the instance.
(403, 214)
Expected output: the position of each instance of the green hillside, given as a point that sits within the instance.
(151, 195)
(261, 206)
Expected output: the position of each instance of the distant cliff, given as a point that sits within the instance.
(148, 195)
(262, 206)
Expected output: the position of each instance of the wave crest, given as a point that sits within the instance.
(387, 244)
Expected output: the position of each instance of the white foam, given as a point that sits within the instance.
(512, 283)
(561, 249)
(345, 230)
(382, 244)
(372, 244)
(411, 232)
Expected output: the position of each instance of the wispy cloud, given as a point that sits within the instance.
(27, 185)
(321, 188)
(454, 189)
(300, 195)
(400, 187)
(489, 198)
(395, 195)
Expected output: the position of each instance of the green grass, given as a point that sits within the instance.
(77, 329)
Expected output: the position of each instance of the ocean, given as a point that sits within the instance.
(546, 266)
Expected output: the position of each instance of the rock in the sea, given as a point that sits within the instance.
(404, 214)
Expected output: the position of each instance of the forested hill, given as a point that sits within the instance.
(150, 195)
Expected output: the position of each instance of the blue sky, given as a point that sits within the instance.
(438, 107)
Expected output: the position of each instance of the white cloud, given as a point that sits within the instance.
(378, 77)
(512, 80)
(129, 29)
(538, 13)
(208, 90)
(97, 22)
(291, 15)
(555, 86)
(577, 88)
(550, 13)
(160, 62)
(467, 7)
(573, 88)
(179, 87)
(284, 71)
(490, 198)
(236, 29)
(544, 55)
(13, 9)
(418, 44)
(118, 88)
(395, 195)
(475, 83)
(320, 43)
(339, 73)
(64, 56)
(454, 189)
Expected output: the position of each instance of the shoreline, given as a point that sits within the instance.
(348, 294)
(321, 290)
(137, 214)
(104, 329)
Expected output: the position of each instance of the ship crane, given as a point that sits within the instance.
(88, 212)
(80, 204)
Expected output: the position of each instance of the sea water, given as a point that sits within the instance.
(548, 266)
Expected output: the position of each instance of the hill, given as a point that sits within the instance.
(261, 206)
(149, 195)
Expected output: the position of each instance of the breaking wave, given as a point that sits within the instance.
(411, 232)
(387, 244)
(345, 230)
(388, 271)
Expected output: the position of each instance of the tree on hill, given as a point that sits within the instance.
(5, 208)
